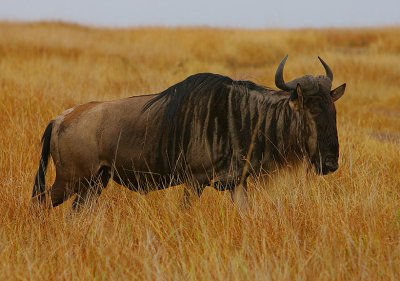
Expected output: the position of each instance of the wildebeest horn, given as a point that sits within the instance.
(328, 70)
(279, 82)
(307, 82)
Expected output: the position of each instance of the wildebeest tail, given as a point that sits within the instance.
(39, 187)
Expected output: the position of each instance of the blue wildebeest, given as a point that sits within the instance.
(207, 129)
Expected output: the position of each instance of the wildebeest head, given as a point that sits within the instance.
(312, 100)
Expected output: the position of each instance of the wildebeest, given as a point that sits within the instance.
(206, 130)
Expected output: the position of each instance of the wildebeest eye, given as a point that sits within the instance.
(314, 106)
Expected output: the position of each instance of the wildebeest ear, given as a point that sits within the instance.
(338, 92)
(296, 99)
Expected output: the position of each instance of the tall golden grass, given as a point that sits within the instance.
(344, 226)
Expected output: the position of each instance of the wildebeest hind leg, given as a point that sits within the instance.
(89, 190)
(59, 192)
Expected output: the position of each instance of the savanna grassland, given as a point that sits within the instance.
(300, 226)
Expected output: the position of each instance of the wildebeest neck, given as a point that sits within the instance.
(282, 132)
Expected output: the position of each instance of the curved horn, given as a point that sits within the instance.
(279, 82)
(328, 70)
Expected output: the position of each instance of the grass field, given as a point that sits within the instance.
(344, 226)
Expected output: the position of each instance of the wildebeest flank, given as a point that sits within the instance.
(205, 129)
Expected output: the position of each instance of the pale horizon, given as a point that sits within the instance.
(207, 13)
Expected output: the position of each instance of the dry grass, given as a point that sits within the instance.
(300, 227)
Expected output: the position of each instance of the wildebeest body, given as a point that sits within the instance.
(205, 129)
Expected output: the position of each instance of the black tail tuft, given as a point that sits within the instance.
(40, 187)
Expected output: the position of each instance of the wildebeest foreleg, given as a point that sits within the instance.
(240, 197)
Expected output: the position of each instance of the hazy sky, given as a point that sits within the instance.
(223, 13)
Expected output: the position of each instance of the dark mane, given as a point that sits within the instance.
(199, 86)
(211, 111)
